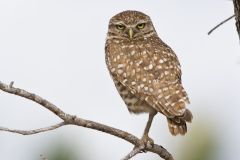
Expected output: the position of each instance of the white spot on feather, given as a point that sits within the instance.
(120, 65)
(150, 66)
(160, 61)
(113, 70)
(133, 52)
(167, 97)
(120, 71)
(166, 72)
(165, 88)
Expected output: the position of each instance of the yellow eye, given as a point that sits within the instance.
(120, 26)
(141, 25)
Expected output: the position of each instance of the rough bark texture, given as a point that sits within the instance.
(237, 14)
(68, 119)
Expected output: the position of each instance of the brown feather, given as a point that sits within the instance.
(146, 71)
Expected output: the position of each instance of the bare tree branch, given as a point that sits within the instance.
(134, 152)
(35, 131)
(33, 97)
(236, 4)
(221, 23)
(74, 120)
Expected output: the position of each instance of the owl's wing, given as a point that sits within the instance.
(151, 74)
(171, 96)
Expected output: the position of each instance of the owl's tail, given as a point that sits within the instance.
(177, 125)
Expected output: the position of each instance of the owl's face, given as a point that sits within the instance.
(130, 25)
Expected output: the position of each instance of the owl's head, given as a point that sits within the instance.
(130, 25)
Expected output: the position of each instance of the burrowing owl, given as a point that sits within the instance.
(146, 71)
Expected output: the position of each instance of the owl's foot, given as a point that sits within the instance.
(146, 142)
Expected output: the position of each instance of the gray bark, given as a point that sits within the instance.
(236, 4)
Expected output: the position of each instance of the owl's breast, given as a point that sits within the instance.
(122, 58)
(133, 65)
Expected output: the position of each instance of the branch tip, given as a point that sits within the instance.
(221, 23)
(11, 84)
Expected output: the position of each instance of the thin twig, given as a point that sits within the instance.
(134, 152)
(11, 84)
(35, 131)
(214, 28)
(74, 120)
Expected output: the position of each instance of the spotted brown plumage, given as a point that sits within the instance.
(146, 71)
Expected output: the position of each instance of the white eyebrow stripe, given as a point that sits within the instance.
(118, 22)
(142, 21)
(115, 22)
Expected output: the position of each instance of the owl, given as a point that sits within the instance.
(146, 71)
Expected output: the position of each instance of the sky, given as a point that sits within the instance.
(55, 48)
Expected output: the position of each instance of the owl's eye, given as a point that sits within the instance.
(141, 25)
(120, 27)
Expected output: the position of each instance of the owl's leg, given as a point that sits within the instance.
(146, 140)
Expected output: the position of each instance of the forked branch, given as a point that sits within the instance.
(74, 120)
(133, 152)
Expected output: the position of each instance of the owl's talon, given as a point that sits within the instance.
(146, 142)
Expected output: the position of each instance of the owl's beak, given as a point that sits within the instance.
(130, 32)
